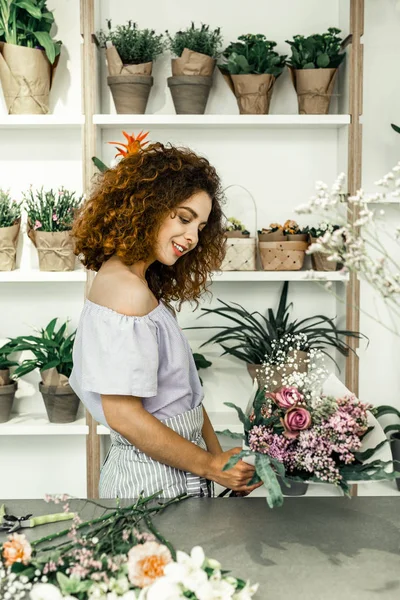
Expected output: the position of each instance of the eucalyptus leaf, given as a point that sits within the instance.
(266, 473)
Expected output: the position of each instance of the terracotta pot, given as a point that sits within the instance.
(7, 394)
(130, 92)
(61, 403)
(190, 93)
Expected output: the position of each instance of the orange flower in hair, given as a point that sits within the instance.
(133, 146)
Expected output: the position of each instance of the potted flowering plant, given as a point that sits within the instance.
(130, 53)
(50, 217)
(252, 337)
(196, 49)
(28, 55)
(282, 247)
(8, 387)
(321, 260)
(133, 145)
(313, 68)
(250, 69)
(310, 429)
(240, 248)
(52, 355)
(10, 221)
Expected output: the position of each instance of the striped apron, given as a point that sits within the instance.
(127, 472)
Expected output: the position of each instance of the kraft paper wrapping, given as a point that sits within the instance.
(116, 66)
(193, 63)
(8, 246)
(253, 92)
(314, 89)
(52, 378)
(55, 249)
(26, 76)
(5, 377)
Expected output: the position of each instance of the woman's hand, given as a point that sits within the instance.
(235, 478)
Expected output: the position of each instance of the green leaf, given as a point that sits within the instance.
(99, 164)
(47, 43)
(31, 8)
(384, 409)
(266, 473)
(396, 128)
(323, 61)
(309, 66)
(245, 420)
(235, 436)
(235, 459)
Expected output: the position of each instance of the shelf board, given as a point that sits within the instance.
(207, 120)
(390, 199)
(36, 276)
(31, 424)
(40, 121)
(308, 275)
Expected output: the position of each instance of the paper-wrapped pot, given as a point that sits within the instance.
(8, 246)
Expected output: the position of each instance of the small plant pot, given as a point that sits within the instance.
(7, 394)
(240, 252)
(61, 403)
(395, 447)
(314, 88)
(55, 249)
(320, 262)
(8, 246)
(297, 488)
(253, 92)
(190, 93)
(282, 256)
(130, 92)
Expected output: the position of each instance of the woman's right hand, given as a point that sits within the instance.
(235, 478)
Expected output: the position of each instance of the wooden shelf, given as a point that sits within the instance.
(264, 121)
(36, 276)
(309, 275)
(31, 424)
(40, 121)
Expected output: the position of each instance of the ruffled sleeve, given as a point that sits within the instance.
(118, 353)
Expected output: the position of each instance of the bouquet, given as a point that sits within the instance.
(119, 555)
(297, 430)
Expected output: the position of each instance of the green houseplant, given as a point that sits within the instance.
(196, 49)
(52, 355)
(250, 69)
(50, 217)
(130, 52)
(251, 337)
(10, 222)
(240, 252)
(201, 363)
(8, 387)
(28, 55)
(313, 67)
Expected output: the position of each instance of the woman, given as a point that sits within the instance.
(153, 231)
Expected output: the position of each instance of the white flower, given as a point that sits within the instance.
(98, 591)
(119, 586)
(131, 595)
(215, 590)
(162, 589)
(247, 592)
(187, 570)
(45, 591)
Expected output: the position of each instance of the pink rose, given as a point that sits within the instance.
(288, 397)
(296, 420)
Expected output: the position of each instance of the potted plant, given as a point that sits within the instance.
(28, 55)
(240, 248)
(130, 53)
(10, 221)
(196, 49)
(282, 247)
(252, 337)
(8, 387)
(313, 68)
(201, 363)
(273, 233)
(251, 69)
(293, 231)
(52, 355)
(321, 261)
(50, 217)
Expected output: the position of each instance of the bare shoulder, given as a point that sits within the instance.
(123, 292)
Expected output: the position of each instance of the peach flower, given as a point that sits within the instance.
(16, 549)
(146, 563)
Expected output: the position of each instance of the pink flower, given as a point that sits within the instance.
(16, 549)
(37, 225)
(146, 563)
(296, 420)
(55, 218)
(288, 397)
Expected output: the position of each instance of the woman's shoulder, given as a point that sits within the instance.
(122, 292)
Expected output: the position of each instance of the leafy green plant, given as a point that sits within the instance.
(321, 229)
(201, 363)
(51, 211)
(28, 23)
(199, 39)
(236, 225)
(51, 348)
(134, 46)
(395, 128)
(317, 51)
(252, 334)
(253, 54)
(10, 210)
(5, 351)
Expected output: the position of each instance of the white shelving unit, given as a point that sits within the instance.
(31, 424)
(36, 276)
(307, 275)
(41, 121)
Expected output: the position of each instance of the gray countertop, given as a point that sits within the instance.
(311, 548)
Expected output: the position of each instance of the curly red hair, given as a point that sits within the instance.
(127, 206)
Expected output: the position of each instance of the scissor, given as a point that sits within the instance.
(12, 523)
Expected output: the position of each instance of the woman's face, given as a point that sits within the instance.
(179, 233)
